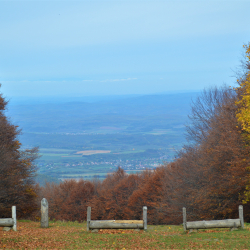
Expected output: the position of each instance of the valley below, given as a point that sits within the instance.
(89, 140)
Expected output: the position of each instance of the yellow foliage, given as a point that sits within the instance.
(31, 192)
(243, 112)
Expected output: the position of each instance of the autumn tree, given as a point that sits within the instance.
(17, 170)
(243, 100)
(69, 199)
(243, 111)
(111, 197)
(150, 193)
(214, 164)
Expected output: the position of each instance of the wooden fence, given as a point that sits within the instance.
(229, 223)
(9, 223)
(116, 224)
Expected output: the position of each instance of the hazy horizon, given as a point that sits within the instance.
(27, 100)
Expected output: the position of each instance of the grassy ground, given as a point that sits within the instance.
(73, 235)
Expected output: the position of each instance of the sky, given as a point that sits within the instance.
(86, 48)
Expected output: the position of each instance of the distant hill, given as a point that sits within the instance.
(139, 132)
(131, 114)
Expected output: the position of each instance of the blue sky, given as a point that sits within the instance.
(81, 48)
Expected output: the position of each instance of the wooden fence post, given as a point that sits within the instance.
(241, 216)
(145, 209)
(44, 213)
(14, 217)
(184, 218)
(88, 217)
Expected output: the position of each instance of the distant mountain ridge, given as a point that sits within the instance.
(78, 116)
(139, 132)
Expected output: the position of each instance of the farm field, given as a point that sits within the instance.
(73, 235)
(97, 155)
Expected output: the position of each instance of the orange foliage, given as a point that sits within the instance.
(16, 170)
(68, 200)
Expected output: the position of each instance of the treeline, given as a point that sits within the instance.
(210, 175)
(119, 196)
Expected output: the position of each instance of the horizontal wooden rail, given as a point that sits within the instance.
(9, 222)
(230, 223)
(116, 224)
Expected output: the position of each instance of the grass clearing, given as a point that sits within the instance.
(73, 235)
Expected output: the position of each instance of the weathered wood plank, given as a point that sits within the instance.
(230, 223)
(8, 222)
(120, 221)
(111, 224)
(117, 224)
